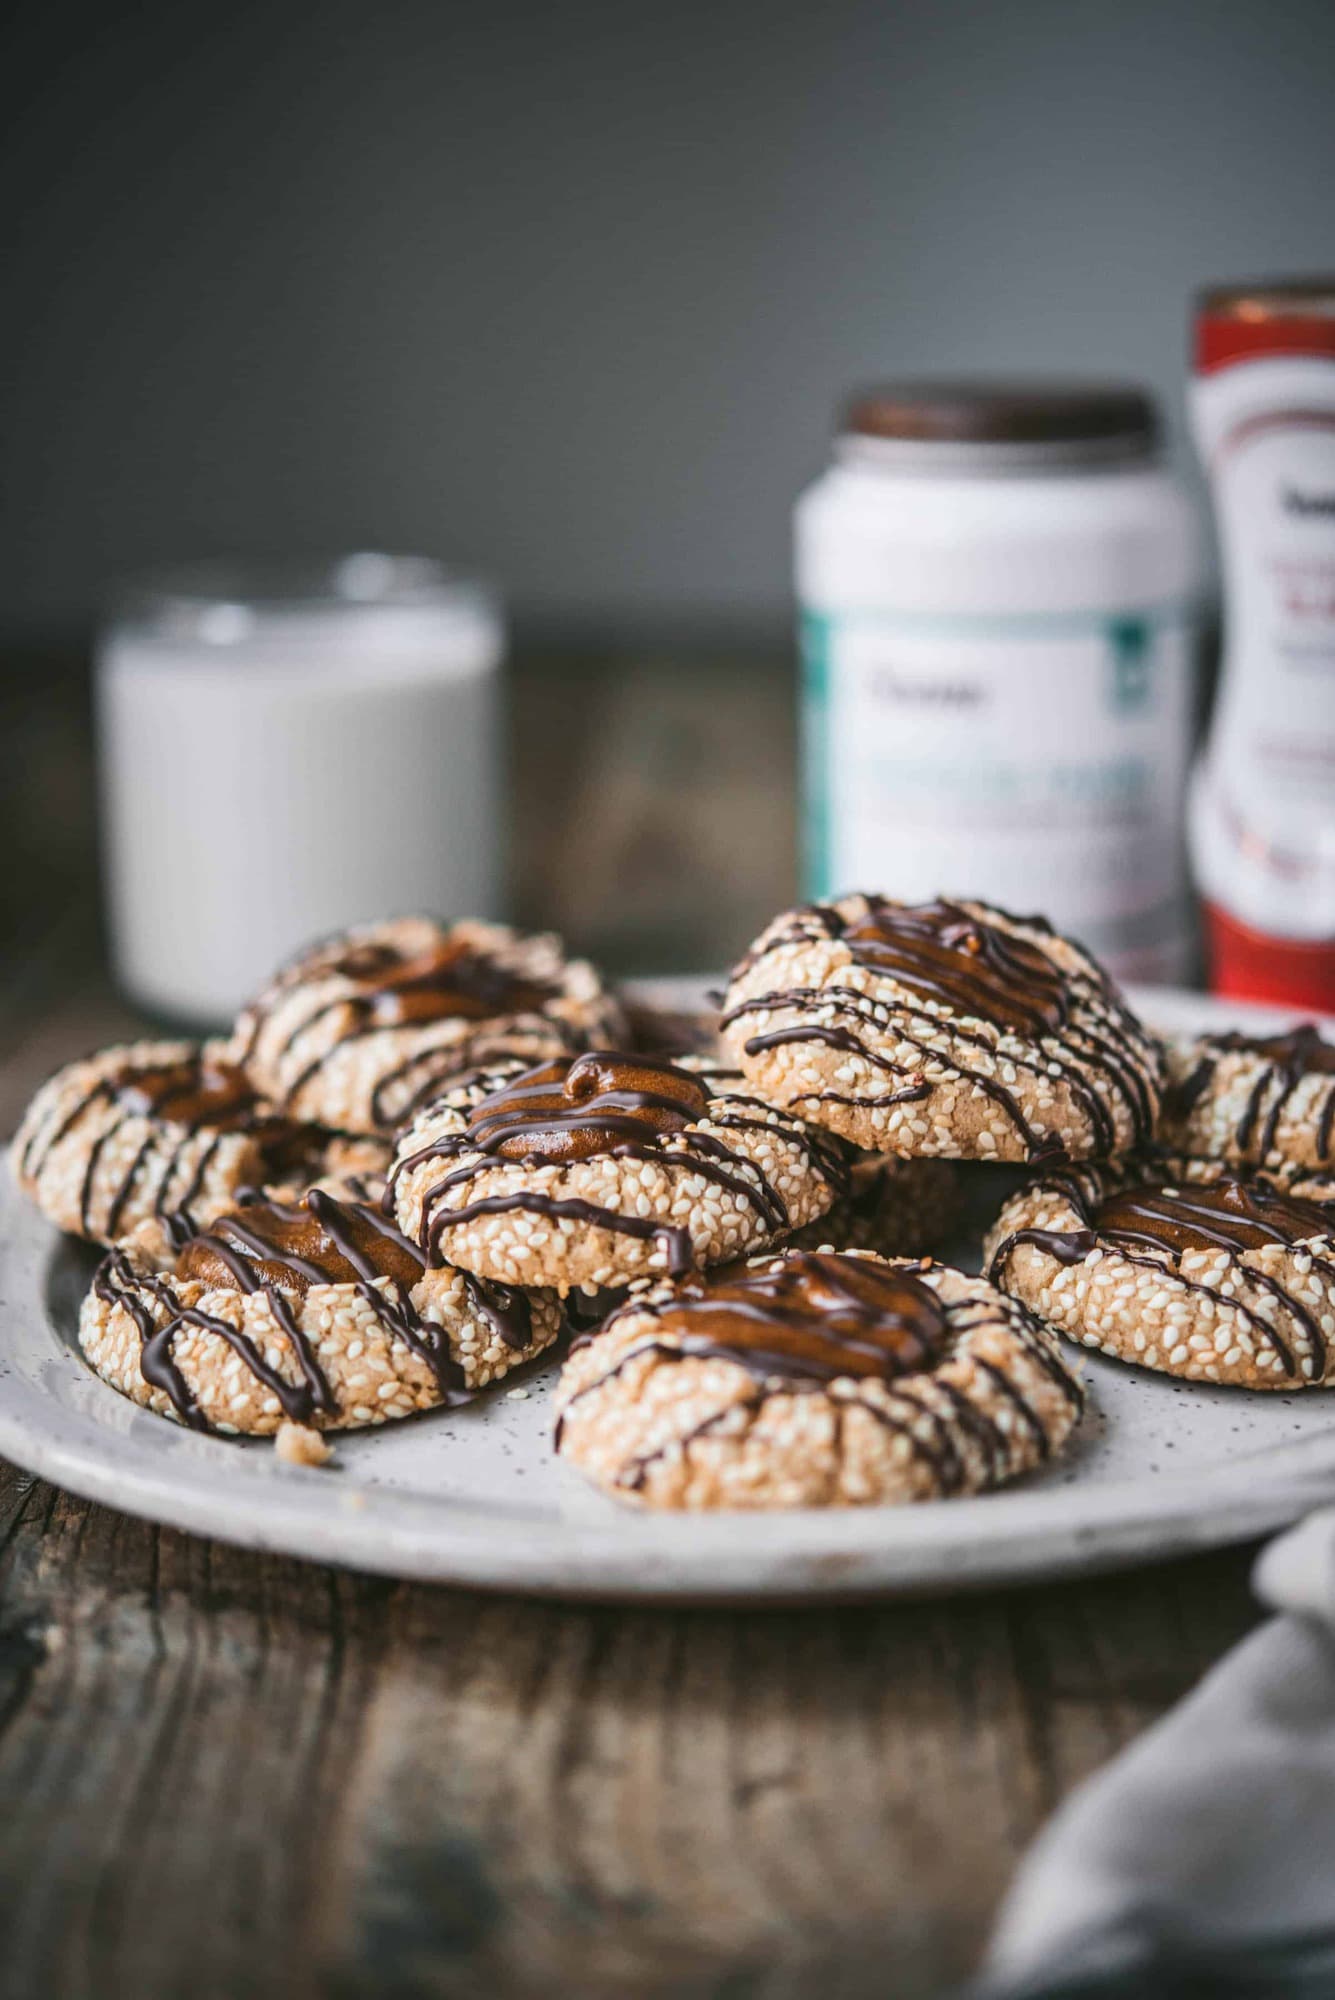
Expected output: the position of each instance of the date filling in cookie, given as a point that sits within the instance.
(196, 1093)
(604, 1103)
(319, 1241)
(200, 1094)
(199, 1091)
(449, 981)
(285, 1250)
(811, 1317)
(950, 956)
(1224, 1214)
(595, 1104)
(1227, 1214)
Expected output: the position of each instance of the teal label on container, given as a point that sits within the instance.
(1037, 763)
(815, 728)
(1131, 656)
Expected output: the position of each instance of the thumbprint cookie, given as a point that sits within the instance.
(810, 1379)
(598, 1169)
(1253, 1101)
(316, 1312)
(363, 1029)
(1180, 1265)
(943, 1028)
(162, 1130)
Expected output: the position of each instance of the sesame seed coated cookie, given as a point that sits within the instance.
(1255, 1101)
(161, 1129)
(366, 1027)
(1177, 1265)
(898, 1208)
(946, 1028)
(599, 1169)
(316, 1313)
(811, 1379)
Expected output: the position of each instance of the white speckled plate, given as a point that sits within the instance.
(475, 1496)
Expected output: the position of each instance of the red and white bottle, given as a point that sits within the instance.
(1262, 812)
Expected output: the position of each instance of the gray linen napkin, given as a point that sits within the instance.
(1202, 1860)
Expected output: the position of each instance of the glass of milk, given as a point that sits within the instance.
(285, 751)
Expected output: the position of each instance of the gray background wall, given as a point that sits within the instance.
(569, 292)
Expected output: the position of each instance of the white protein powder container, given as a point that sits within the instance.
(998, 587)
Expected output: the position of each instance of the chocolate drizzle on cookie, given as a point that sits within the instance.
(194, 1092)
(953, 957)
(565, 1111)
(178, 1101)
(318, 1241)
(623, 1107)
(1226, 1214)
(810, 1317)
(1153, 1224)
(808, 1320)
(450, 980)
(284, 1250)
(495, 1009)
(197, 1091)
(1288, 1060)
(956, 960)
(119, 1284)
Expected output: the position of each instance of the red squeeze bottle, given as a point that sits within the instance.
(1262, 810)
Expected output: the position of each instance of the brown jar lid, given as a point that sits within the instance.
(1066, 415)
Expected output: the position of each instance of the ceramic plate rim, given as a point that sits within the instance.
(161, 1473)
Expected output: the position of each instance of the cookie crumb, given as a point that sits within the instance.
(297, 1444)
(517, 1395)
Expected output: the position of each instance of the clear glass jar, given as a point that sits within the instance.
(998, 587)
(284, 751)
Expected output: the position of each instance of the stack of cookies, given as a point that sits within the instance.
(428, 1152)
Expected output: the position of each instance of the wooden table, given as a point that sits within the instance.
(229, 1774)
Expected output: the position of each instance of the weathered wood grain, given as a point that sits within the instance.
(223, 1774)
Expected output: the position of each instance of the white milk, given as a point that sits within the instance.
(278, 762)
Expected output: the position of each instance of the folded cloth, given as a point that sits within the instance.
(1202, 1860)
